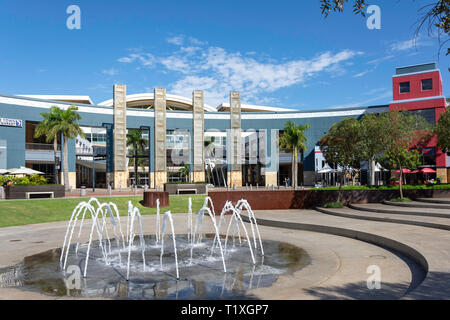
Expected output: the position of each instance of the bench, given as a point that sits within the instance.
(28, 194)
(189, 190)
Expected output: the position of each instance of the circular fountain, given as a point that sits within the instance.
(225, 261)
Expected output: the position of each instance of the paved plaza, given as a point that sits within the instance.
(409, 243)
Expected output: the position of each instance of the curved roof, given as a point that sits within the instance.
(146, 101)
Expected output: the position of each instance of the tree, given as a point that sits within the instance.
(435, 15)
(442, 129)
(342, 146)
(293, 138)
(405, 131)
(373, 140)
(138, 144)
(185, 171)
(42, 129)
(64, 122)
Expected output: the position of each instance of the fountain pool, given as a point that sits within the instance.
(124, 263)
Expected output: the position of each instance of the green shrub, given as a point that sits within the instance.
(333, 205)
(22, 181)
(405, 199)
(391, 187)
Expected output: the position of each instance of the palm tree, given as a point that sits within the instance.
(138, 143)
(293, 138)
(185, 171)
(42, 130)
(64, 122)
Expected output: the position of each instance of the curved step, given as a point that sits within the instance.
(412, 212)
(417, 204)
(401, 219)
(434, 200)
(375, 239)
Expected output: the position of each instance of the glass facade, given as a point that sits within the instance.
(3, 158)
(428, 114)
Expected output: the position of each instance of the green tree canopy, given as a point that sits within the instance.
(343, 145)
(442, 129)
(293, 138)
(63, 122)
(405, 131)
(138, 144)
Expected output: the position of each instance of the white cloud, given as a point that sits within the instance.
(110, 72)
(197, 42)
(177, 40)
(361, 74)
(146, 59)
(218, 71)
(408, 44)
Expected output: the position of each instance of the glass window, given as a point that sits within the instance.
(427, 84)
(404, 87)
(428, 114)
(3, 154)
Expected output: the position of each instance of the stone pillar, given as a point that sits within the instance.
(160, 138)
(198, 125)
(272, 157)
(120, 137)
(72, 179)
(235, 173)
(441, 173)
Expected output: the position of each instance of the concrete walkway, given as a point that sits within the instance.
(429, 248)
(414, 261)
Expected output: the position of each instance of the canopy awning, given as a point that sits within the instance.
(326, 169)
(23, 171)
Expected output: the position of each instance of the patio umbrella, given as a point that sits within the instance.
(4, 171)
(23, 171)
(428, 170)
(404, 171)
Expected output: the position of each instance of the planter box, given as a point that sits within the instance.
(20, 192)
(184, 188)
(150, 198)
(308, 199)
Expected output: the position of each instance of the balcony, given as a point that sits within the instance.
(41, 147)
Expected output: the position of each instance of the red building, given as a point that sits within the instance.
(418, 89)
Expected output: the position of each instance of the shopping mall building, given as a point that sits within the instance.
(233, 144)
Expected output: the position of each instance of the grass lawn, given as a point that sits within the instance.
(22, 212)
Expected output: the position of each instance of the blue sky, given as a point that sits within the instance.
(277, 53)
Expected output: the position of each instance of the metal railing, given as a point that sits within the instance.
(41, 146)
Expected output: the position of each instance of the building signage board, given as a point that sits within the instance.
(11, 122)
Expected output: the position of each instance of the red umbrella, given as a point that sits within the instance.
(428, 170)
(404, 171)
(415, 171)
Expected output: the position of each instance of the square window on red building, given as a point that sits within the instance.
(404, 87)
(427, 84)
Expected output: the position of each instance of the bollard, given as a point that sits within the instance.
(2, 193)
(83, 191)
(109, 190)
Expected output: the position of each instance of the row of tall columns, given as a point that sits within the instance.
(159, 176)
